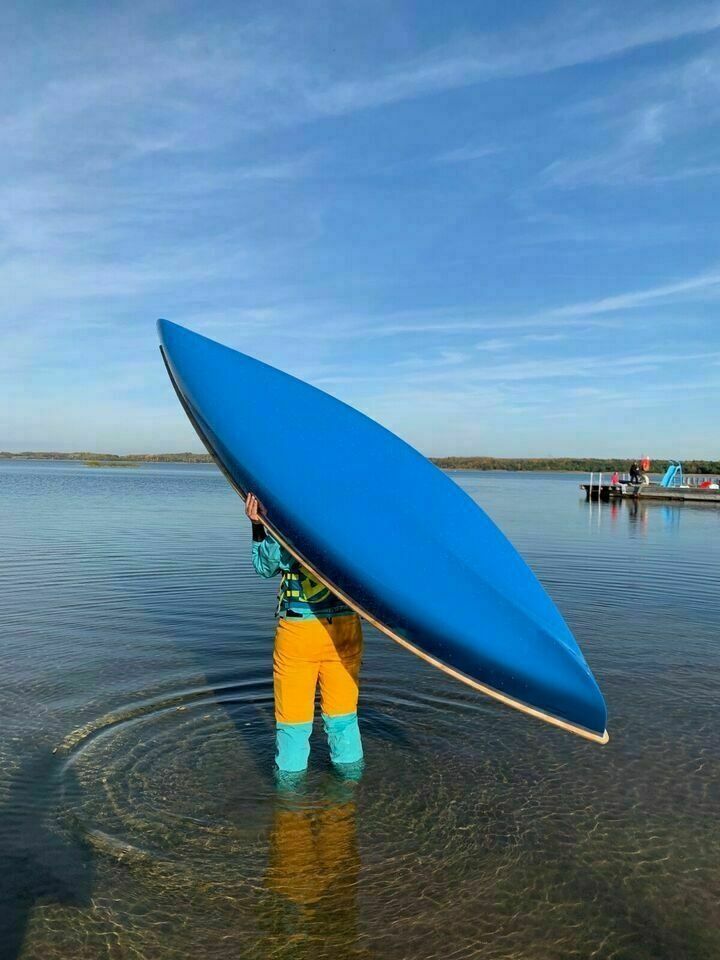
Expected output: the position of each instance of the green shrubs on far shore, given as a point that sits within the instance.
(567, 464)
(546, 464)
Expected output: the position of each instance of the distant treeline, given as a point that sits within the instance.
(567, 464)
(114, 457)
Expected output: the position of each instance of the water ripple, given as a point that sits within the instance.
(140, 812)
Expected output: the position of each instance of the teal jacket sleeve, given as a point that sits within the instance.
(269, 558)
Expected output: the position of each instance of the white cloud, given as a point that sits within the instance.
(588, 313)
(635, 133)
(466, 154)
(622, 163)
(694, 288)
(496, 344)
(445, 358)
(579, 35)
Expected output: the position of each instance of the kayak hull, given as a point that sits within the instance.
(386, 530)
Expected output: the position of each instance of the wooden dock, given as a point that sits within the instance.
(649, 491)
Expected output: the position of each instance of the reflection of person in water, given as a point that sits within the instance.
(318, 639)
(313, 869)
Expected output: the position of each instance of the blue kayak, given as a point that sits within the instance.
(385, 530)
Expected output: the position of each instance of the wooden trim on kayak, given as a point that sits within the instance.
(463, 678)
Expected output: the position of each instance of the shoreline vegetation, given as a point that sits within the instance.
(544, 464)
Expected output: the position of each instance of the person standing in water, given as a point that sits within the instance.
(318, 639)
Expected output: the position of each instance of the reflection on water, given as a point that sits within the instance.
(313, 867)
(640, 515)
(140, 814)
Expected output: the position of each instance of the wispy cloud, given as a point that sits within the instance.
(496, 344)
(581, 35)
(622, 163)
(471, 410)
(703, 286)
(433, 370)
(502, 344)
(467, 154)
(194, 91)
(552, 322)
(596, 366)
(445, 358)
(633, 131)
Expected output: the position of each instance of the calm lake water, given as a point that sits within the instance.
(139, 814)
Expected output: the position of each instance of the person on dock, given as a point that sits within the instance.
(318, 639)
(634, 472)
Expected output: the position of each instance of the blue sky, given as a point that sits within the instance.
(493, 226)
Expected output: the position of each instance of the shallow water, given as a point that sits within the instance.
(139, 813)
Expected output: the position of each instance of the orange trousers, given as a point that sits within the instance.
(309, 651)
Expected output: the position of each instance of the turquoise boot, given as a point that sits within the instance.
(343, 736)
(292, 741)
